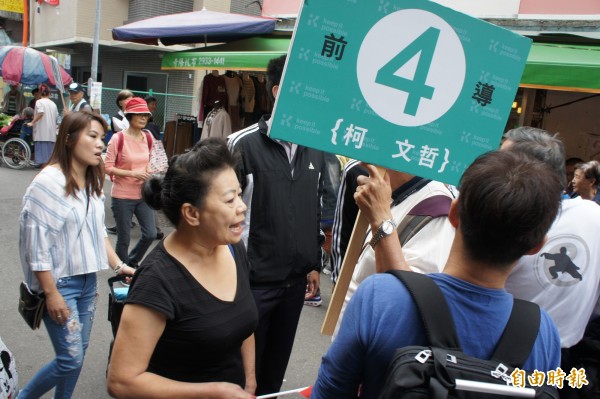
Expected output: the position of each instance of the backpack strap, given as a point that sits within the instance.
(519, 335)
(421, 214)
(120, 140)
(432, 306)
(119, 146)
(149, 139)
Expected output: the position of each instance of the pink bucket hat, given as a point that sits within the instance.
(136, 105)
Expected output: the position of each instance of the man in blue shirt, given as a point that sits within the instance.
(507, 202)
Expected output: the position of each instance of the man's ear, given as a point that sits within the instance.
(453, 217)
(190, 214)
(275, 90)
(538, 247)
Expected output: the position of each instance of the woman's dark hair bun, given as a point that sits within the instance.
(152, 192)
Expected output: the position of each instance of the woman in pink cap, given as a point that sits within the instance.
(128, 164)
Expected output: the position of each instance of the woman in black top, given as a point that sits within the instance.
(187, 327)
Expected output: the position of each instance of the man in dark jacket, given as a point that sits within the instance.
(282, 185)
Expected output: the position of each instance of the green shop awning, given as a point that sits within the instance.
(248, 55)
(563, 67)
(549, 66)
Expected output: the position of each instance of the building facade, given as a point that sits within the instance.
(67, 30)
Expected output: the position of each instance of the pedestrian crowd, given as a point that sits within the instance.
(213, 309)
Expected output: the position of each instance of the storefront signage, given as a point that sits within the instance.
(12, 6)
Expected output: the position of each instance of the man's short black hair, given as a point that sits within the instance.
(150, 99)
(508, 201)
(274, 72)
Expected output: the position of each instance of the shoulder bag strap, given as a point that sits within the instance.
(119, 146)
(421, 214)
(87, 208)
(433, 308)
(519, 335)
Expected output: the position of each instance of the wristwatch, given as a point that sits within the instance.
(386, 228)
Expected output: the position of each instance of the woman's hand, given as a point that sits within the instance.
(57, 307)
(250, 385)
(128, 271)
(227, 390)
(140, 174)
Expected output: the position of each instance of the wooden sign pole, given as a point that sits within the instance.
(348, 265)
(343, 282)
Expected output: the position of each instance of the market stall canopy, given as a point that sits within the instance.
(563, 67)
(194, 27)
(248, 54)
(29, 66)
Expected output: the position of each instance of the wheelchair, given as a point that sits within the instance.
(16, 152)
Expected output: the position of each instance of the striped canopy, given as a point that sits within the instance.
(31, 67)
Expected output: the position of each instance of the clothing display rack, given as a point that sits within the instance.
(179, 134)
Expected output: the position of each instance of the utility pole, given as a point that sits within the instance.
(94, 71)
(25, 22)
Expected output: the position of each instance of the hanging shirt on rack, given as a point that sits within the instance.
(248, 96)
(213, 89)
(263, 98)
(234, 91)
(217, 124)
(248, 93)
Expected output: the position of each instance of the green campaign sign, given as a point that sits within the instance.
(406, 84)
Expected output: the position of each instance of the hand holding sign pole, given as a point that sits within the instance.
(409, 85)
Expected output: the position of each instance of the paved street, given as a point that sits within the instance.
(32, 349)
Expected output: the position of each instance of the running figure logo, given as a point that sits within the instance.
(562, 264)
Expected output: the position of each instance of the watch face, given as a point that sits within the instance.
(387, 227)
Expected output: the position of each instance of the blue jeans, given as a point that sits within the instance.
(123, 210)
(70, 340)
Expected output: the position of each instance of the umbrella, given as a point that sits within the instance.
(247, 54)
(31, 67)
(194, 27)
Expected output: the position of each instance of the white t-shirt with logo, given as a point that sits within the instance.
(564, 277)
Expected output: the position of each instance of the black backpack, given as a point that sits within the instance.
(442, 370)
